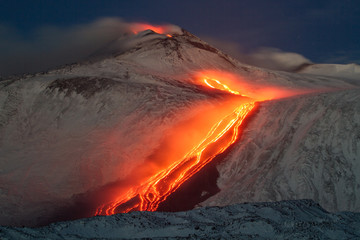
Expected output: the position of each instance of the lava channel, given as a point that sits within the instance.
(157, 188)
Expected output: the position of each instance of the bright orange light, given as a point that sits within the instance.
(157, 188)
(238, 84)
(229, 82)
(214, 83)
(151, 192)
(139, 27)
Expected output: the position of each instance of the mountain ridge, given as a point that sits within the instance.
(80, 127)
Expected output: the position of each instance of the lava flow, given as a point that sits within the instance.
(214, 83)
(157, 188)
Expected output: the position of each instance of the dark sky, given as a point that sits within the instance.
(322, 31)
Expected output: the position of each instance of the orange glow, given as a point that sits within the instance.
(151, 192)
(214, 83)
(229, 82)
(190, 145)
(139, 27)
(237, 84)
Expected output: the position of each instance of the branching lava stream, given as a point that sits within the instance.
(157, 188)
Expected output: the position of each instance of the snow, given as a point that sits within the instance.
(347, 71)
(301, 147)
(57, 143)
(301, 219)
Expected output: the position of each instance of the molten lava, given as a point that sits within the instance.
(214, 83)
(157, 188)
(139, 27)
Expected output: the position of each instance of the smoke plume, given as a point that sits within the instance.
(265, 57)
(49, 46)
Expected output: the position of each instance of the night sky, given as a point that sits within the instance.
(322, 31)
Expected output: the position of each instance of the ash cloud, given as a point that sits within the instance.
(50, 46)
(265, 57)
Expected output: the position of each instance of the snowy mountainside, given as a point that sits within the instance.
(184, 55)
(297, 219)
(65, 136)
(302, 147)
(80, 127)
(347, 71)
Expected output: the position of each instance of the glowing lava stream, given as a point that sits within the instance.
(156, 189)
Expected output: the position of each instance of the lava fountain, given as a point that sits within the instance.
(160, 29)
(150, 193)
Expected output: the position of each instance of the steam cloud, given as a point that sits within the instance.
(271, 58)
(50, 46)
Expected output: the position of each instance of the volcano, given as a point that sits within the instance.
(107, 135)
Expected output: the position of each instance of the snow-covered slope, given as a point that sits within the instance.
(81, 127)
(301, 147)
(66, 136)
(69, 132)
(348, 71)
(301, 219)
